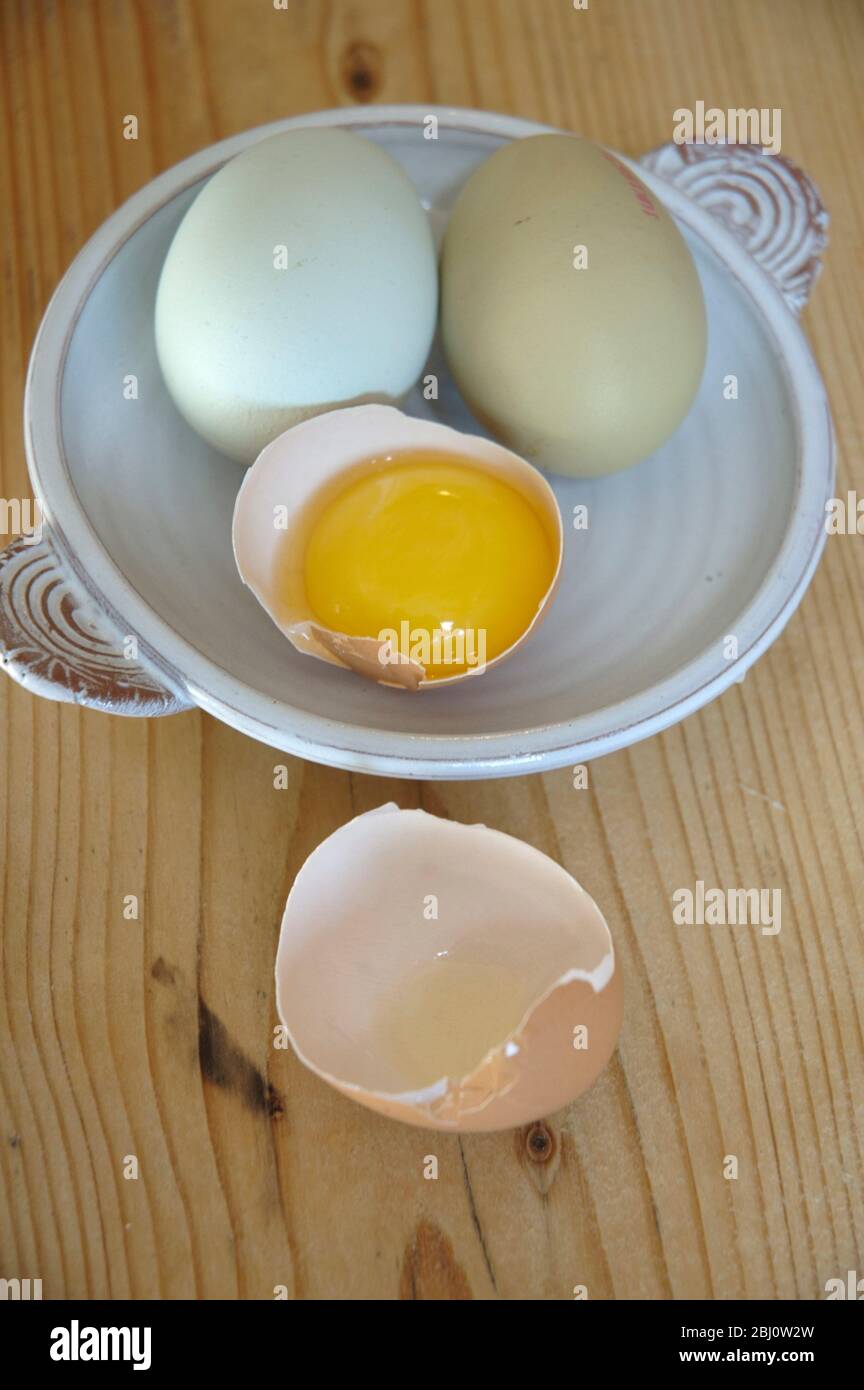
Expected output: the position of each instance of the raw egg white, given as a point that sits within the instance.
(446, 975)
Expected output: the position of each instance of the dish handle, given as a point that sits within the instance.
(58, 643)
(768, 204)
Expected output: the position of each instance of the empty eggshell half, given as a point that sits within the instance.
(408, 940)
(301, 469)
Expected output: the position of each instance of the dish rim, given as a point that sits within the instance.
(357, 747)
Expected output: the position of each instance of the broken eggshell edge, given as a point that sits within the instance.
(299, 468)
(513, 1083)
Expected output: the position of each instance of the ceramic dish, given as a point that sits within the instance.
(715, 536)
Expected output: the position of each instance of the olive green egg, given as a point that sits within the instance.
(572, 316)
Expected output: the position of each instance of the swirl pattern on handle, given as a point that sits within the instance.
(56, 642)
(765, 201)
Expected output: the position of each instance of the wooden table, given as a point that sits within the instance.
(153, 1038)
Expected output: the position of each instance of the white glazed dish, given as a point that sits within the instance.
(717, 535)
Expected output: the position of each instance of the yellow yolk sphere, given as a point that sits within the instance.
(433, 548)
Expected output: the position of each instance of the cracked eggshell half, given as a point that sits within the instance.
(296, 474)
(356, 934)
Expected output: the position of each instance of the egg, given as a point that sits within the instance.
(447, 975)
(398, 548)
(302, 278)
(572, 314)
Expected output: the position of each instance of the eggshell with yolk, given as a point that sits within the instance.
(313, 459)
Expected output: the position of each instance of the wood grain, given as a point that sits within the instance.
(153, 1037)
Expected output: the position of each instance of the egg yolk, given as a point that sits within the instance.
(451, 559)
